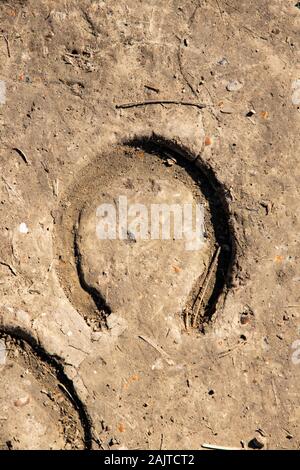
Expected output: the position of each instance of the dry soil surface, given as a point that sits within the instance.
(129, 343)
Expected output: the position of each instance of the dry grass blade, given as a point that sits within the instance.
(146, 103)
(5, 37)
(22, 155)
(216, 447)
(158, 349)
(206, 283)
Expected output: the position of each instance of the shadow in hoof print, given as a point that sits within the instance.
(144, 241)
(47, 413)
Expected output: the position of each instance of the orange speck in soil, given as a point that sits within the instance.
(121, 427)
(278, 259)
(133, 378)
(177, 269)
(264, 114)
(208, 140)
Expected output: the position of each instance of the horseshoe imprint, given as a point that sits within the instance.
(47, 412)
(144, 281)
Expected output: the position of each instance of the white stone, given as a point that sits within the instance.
(2, 92)
(234, 85)
(2, 352)
(23, 228)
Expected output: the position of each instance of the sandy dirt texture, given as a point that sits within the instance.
(145, 344)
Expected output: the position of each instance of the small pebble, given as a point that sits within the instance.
(22, 401)
(245, 319)
(250, 113)
(296, 92)
(222, 61)
(23, 228)
(113, 442)
(234, 85)
(170, 161)
(257, 443)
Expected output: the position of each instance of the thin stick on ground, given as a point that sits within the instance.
(150, 102)
(62, 387)
(9, 266)
(163, 353)
(22, 155)
(206, 283)
(5, 37)
(98, 440)
(216, 447)
(230, 350)
(183, 72)
(275, 392)
(186, 320)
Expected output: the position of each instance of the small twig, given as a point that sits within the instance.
(189, 311)
(151, 88)
(62, 387)
(146, 103)
(158, 349)
(50, 266)
(5, 37)
(206, 283)
(12, 270)
(261, 432)
(55, 187)
(287, 431)
(78, 349)
(216, 447)
(186, 320)
(275, 393)
(98, 440)
(22, 154)
(254, 34)
(10, 188)
(161, 441)
(230, 350)
(181, 69)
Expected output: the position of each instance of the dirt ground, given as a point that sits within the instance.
(125, 344)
